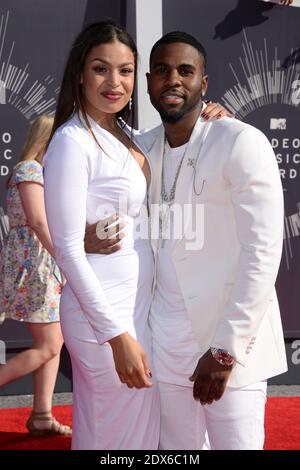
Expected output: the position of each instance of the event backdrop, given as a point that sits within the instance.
(253, 65)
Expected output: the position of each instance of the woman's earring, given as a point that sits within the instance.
(130, 104)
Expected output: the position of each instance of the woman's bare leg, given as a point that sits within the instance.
(44, 378)
(47, 345)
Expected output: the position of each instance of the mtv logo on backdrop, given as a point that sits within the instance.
(278, 123)
(2, 93)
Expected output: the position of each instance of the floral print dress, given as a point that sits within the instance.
(30, 283)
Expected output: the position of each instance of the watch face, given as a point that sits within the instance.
(223, 357)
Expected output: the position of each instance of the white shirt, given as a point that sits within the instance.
(176, 350)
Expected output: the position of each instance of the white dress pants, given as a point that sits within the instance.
(235, 422)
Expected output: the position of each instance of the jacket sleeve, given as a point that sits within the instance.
(257, 198)
(67, 172)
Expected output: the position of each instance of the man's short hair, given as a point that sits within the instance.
(180, 36)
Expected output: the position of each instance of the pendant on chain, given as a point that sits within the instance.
(164, 222)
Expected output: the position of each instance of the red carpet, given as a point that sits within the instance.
(283, 423)
(14, 435)
(282, 427)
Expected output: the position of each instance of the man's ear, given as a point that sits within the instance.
(147, 77)
(204, 84)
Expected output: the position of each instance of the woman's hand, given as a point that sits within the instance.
(130, 361)
(215, 111)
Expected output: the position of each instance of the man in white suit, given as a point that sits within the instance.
(217, 333)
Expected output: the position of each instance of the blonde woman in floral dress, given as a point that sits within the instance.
(29, 286)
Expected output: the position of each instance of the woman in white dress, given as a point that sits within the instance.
(93, 168)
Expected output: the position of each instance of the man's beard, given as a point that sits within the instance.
(172, 117)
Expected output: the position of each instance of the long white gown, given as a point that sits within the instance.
(104, 295)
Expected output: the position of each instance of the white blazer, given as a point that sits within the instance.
(230, 174)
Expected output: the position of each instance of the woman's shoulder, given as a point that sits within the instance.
(74, 131)
(72, 145)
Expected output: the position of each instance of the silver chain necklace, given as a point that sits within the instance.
(167, 198)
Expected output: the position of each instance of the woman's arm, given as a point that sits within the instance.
(32, 198)
(67, 170)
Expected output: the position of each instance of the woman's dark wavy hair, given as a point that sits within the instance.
(70, 98)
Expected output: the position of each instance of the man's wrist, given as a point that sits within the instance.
(223, 357)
